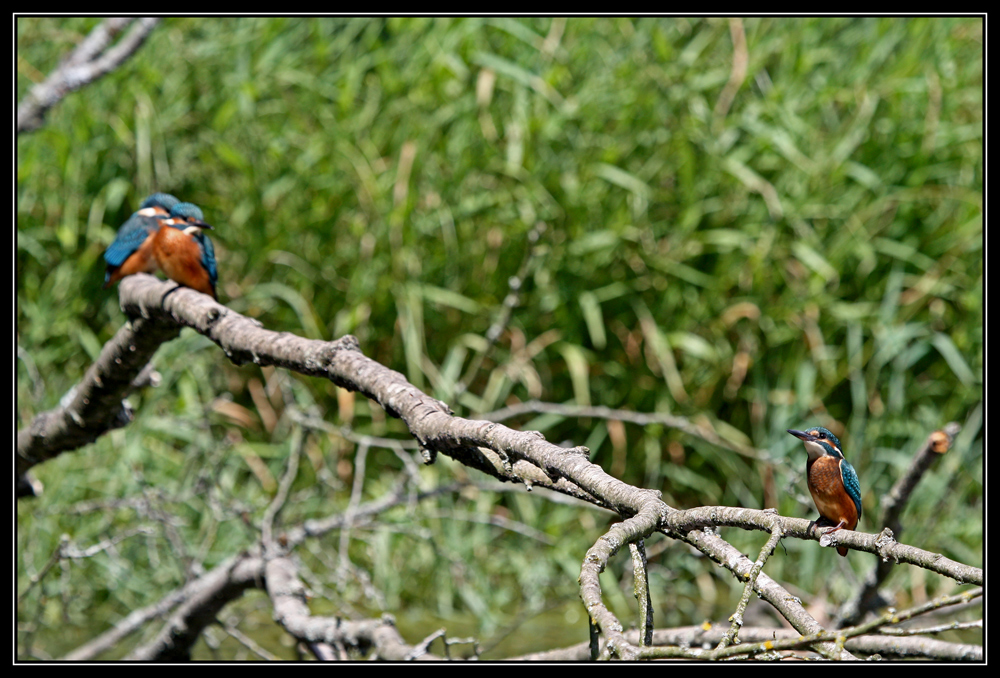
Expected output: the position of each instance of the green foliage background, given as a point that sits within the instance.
(811, 255)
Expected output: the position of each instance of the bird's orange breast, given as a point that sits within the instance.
(179, 257)
(826, 485)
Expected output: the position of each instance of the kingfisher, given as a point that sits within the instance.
(183, 251)
(833, 482)
(132, 250)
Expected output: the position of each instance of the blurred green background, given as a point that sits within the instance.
(805, 248)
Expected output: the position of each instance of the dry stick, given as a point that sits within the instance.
(284, 488)
(683, 424)
(699, 636)
(66, 550)
(835, 639)
(625, 532)
(892, 505)
(87, 63)
(842, 635)
(95, 405)
(640, 575)
(777, 532)
(510, 302)
(360, 460)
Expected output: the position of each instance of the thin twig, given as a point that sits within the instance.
(777, 532)
(510, 302)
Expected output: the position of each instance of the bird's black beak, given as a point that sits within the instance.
(801, 435)
(199, 224)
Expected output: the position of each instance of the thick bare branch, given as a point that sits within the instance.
(290, 610)
(95, 405)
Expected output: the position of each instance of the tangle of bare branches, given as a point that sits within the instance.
(159, 309)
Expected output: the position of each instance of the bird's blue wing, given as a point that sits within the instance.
(208, 256)
(851, 483)
(130, 237)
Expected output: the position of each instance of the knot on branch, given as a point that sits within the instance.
(884, 543)
(348, 342)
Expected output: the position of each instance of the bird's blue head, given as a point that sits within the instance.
(189, 213)
(164, 200)
(819, 441)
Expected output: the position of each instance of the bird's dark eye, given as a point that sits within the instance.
(820, 434)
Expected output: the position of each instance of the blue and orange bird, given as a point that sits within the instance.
(833, 483)
(132, 250)
(183, 251)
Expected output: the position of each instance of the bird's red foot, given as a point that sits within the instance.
(840, 526)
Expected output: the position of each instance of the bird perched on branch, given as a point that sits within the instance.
(833, 482)
(168, 235)
(184, 252)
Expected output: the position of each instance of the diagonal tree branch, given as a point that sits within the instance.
(95, 405)
(91, 60)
